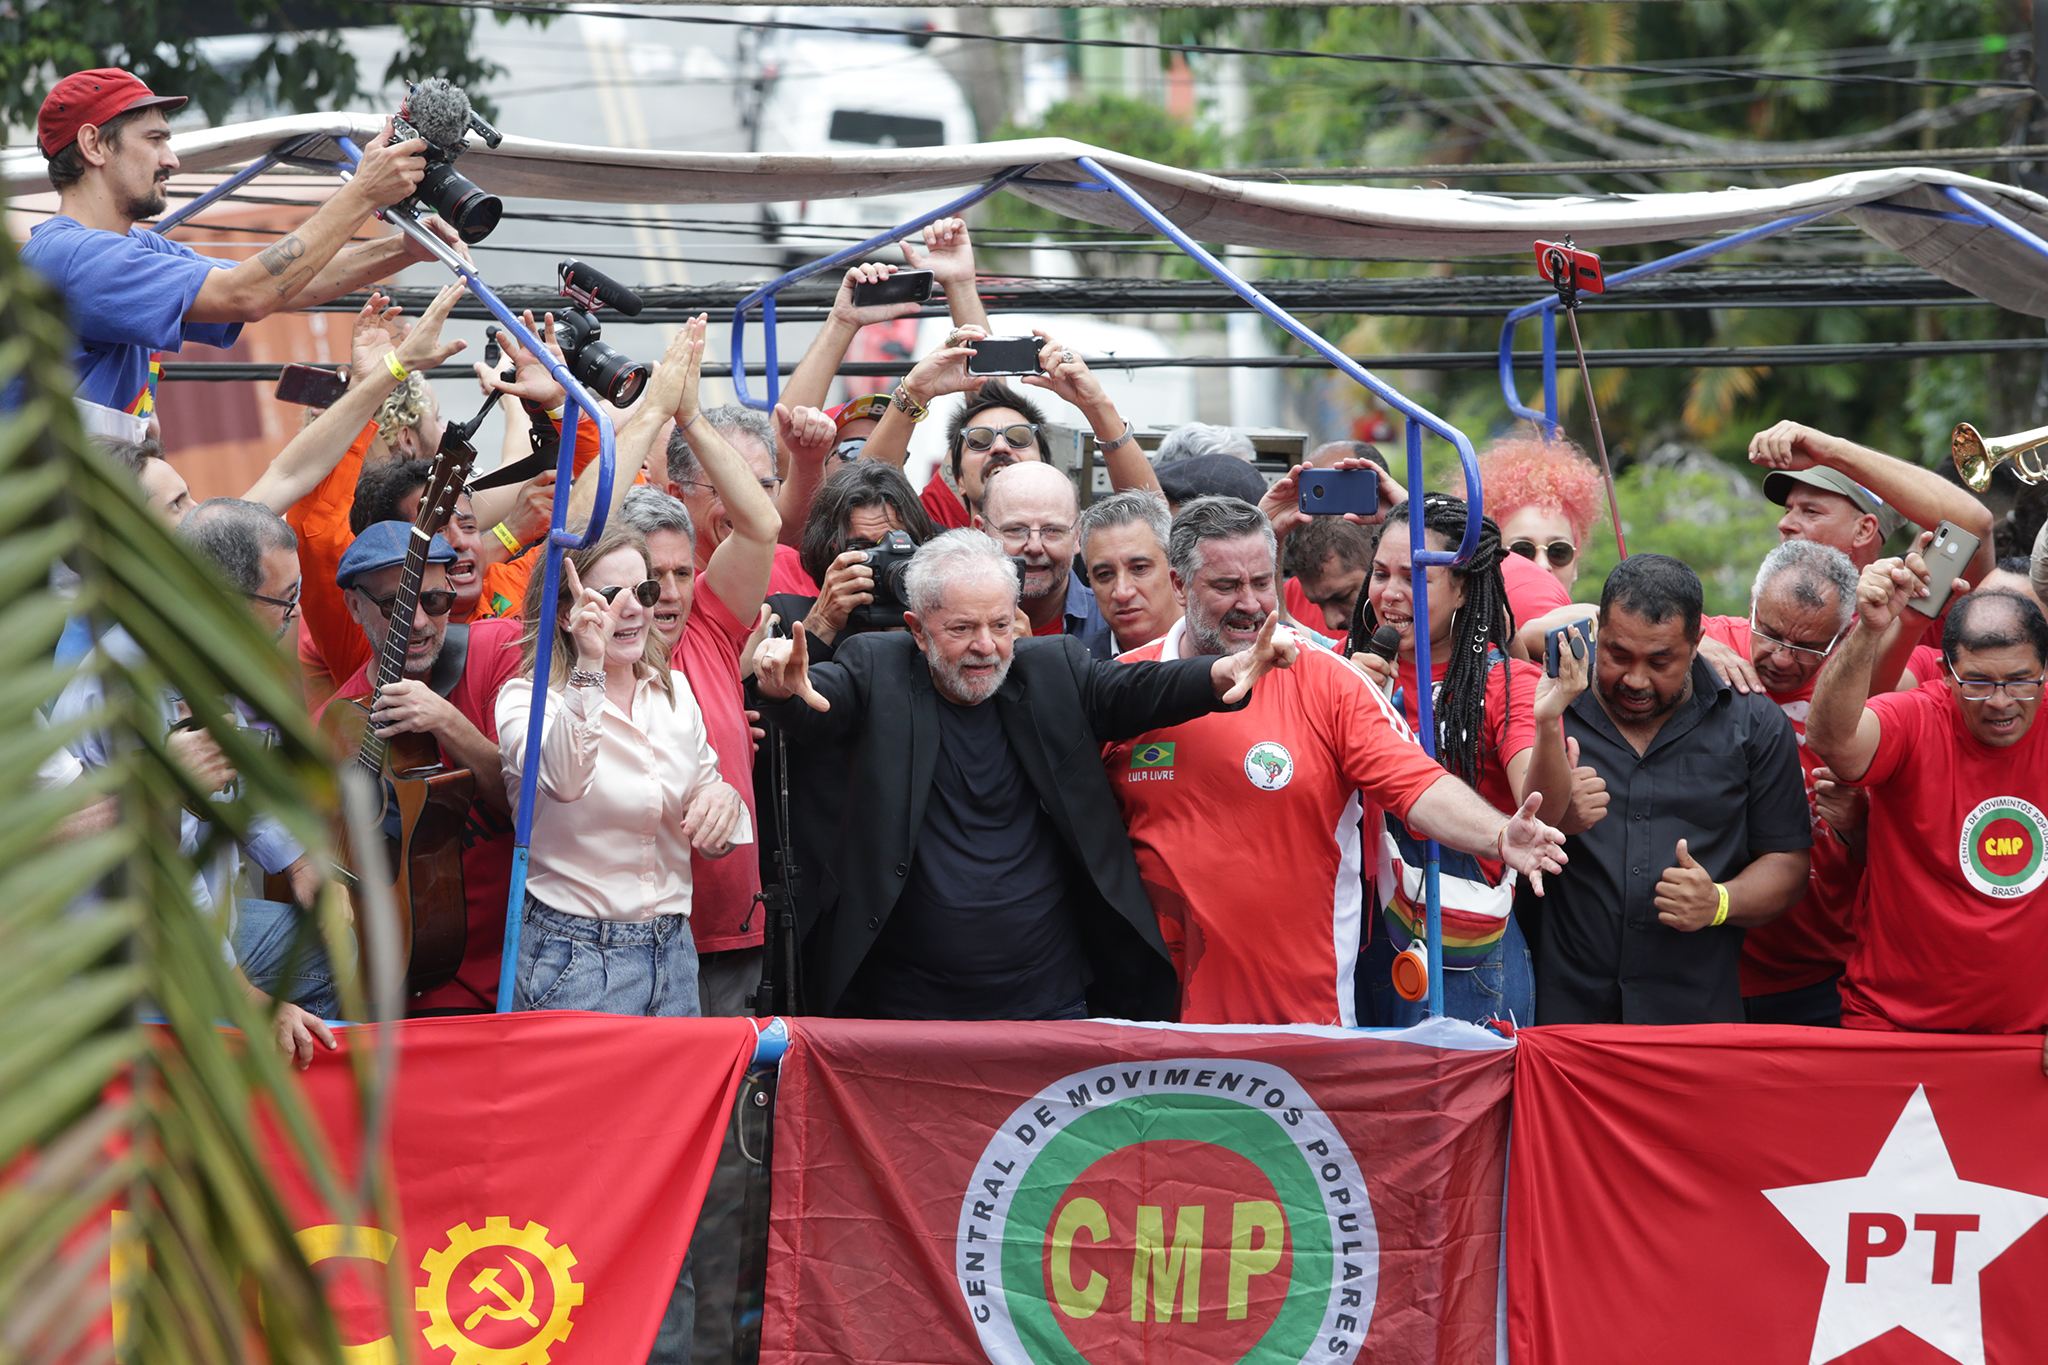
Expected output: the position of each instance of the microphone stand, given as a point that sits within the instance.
(1568, 299)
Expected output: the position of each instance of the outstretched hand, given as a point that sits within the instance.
(1235, 673)
(782, 669)
(532, 380)
(423, 348)
(1529, 846)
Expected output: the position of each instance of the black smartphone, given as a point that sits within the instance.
(1333, 492)
(310, 386)
(905, 286)
(1005, 355)
(1577, 636)
(1947, 555)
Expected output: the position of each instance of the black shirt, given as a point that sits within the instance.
(984, 928)
(1723, 774)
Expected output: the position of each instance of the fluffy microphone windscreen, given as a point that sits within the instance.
(439, 111)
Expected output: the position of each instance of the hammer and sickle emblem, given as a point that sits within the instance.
(520, 1308)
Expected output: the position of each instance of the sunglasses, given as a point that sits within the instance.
(1018, 437)
(849, 449)
(438, 602)
(648, 590)
(1559, 552)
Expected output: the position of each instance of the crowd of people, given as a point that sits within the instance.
(1151, 758)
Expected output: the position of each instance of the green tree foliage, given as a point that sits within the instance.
(303, 64)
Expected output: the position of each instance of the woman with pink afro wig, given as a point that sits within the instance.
(1545, 496)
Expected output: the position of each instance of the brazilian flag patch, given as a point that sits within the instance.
(1152, 756)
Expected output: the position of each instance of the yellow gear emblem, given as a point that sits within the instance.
(442, 1328)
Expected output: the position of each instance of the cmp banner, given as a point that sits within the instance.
(1778, 1196)
(1118, 1194)
(548, 1166)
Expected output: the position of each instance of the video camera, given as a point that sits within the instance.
(890, 559)
(439, 114)
(616, 378)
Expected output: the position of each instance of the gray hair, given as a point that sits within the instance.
(1813, 567)
(1190, 439)
(1127, 509)
(952, 558)
(683, 464)
(234, 533)
(648, 510)
(1206, 519)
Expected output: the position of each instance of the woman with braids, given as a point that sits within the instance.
(1497, 728)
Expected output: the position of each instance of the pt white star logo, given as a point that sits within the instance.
(1904, 1244)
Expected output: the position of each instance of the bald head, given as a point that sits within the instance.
(1036, 485)
(1031, 509)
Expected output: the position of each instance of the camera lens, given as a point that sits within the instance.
(618, 378)
(472, 213)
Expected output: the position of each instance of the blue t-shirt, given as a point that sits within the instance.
(127, 297)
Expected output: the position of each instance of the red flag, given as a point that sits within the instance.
(1030, 1193)
(549, 1168)
(1777, 1196)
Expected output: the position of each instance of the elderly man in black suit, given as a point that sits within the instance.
(979, 868)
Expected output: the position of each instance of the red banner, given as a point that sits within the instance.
(1114, 1194)
(549, 1168)
(1777, 1196)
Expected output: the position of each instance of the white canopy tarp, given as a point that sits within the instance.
(1328, 221)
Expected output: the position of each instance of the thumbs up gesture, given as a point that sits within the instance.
(1686, 899)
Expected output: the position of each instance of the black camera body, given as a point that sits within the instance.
(890, 559)
(439, 115)
(612, 375)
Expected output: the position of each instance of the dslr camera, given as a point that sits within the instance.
(890, 559)
(616, 378)
(439, 114)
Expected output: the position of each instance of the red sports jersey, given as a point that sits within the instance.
(1952, 922)
(1810, 942)
(708, 654)
(1510, 728)
(1246, 826)
(1533, 590)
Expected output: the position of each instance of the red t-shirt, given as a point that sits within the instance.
(1810, 942)
(708, 655)
(787, 575)
(1299, 607)
(1924, 663)
(943, 504)
(1269, 937)
(1952, 922)
(493, 657)
(1510, 728)
(1533, 590)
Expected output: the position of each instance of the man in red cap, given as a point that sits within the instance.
(130, 292)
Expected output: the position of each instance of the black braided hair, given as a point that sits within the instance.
(1485, 622)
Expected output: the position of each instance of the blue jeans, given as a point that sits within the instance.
(268, 946)
(572, 962)
(1501, 987)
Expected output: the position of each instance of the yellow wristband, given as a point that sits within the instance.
(1721, 910)
(506, 538)
(398, 371)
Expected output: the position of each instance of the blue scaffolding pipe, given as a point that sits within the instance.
(1980, 212)
(1421, 558)
(765, 295)
(1547, 308)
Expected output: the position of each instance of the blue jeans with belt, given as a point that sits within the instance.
(649, 968)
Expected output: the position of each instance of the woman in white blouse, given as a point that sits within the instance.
(628, 786)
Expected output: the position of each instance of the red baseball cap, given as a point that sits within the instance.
(92, 97)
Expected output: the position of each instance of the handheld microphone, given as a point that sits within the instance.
(578, 278)
(1385, 642)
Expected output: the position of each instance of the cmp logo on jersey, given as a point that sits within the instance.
(2001, 847)
(1194, 1209)
(1269, 766)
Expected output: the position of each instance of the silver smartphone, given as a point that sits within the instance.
(1947, 555)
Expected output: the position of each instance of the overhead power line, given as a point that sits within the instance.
(1223, 50)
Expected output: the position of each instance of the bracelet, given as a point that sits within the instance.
(692, 422)
(909, 406)
(506, 538)
(555, 414)
(585, 677)
(1500, 843)
(398, 371)
(1106, 446)
(1721, 910)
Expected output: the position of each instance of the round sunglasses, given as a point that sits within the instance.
(648, 590)
(1022, 436)
(1558, 552)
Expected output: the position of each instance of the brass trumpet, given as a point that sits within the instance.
(1977, 457)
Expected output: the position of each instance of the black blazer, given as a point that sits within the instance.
(1058, 707)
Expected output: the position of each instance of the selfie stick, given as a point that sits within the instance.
(1560, 272)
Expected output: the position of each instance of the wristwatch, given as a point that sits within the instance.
(909, 406)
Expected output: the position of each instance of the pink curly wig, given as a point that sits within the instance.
(1526, 471)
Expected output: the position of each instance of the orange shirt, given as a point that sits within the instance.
(331, 644)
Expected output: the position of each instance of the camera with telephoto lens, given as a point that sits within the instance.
(439, 115)
(616, 378)
(890, 559)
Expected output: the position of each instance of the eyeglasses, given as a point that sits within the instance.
(1022, 436)
(438, 602)
(290, 606)
(1021, 535)
(1559, 552)
(1977, 689)
(648, 590)
(849, 450)
(1788, 647)
(768, 486)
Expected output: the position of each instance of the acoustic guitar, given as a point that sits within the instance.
(426, 802)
